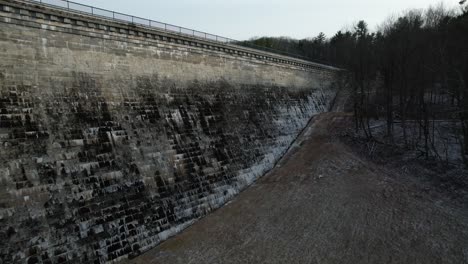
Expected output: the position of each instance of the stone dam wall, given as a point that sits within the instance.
(115, 137)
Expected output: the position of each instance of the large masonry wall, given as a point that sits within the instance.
(113, 139)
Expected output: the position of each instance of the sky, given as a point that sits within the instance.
(243, 19)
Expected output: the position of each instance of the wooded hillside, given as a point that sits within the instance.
(413, 72)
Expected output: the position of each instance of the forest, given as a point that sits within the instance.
(407, 79)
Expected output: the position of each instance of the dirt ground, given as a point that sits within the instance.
(324, 204)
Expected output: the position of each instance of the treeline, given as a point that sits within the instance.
(315, 49)
(412, 70)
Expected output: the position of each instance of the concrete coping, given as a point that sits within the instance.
(84, 20)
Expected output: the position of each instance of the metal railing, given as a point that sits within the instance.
(120, 17)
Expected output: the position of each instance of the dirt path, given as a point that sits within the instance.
(322, 204)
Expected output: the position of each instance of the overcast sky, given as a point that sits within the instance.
(243, 19)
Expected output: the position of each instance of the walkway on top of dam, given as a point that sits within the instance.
(323, 204)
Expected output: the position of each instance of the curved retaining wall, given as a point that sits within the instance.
(114, 137)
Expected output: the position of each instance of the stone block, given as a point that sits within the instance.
(40, 15)
(7, 9)
(24, 12)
